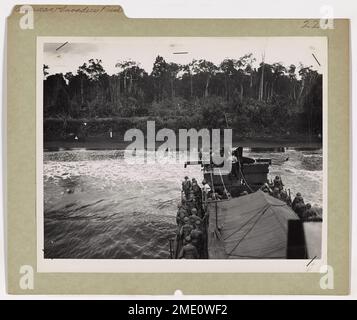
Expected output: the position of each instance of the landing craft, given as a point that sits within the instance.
(241, 221)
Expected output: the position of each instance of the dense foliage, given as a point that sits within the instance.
(269, 100)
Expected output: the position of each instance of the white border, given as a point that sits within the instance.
(161, 265)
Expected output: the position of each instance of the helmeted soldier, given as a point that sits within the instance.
(180, 216)
(197, 240)
(194, 217)
(310, 213)
(298, 205)
(298, 199)
(190, 202)
(276, 193)
(278, 183)
(189, 251)
(197, 192)
(186, 186)
(186, 229)
(195, 187)
(283, 195)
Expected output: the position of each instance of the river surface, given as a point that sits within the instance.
(97, 206)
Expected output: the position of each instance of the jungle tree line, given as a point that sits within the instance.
(232, 94)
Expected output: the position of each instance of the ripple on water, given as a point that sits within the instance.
(98, 206)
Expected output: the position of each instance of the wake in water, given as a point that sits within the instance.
(96, 206)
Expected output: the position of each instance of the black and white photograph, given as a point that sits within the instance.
(182, 148)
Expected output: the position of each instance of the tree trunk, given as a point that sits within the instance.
(301, 90)
(125, 82)
(226, 87)
(266, 91)
(119, 85)
(207, 84)
(261, 86)
(131, 83)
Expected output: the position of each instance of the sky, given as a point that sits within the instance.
(76, 51)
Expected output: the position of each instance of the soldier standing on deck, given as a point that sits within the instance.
(278, 183)
(206, 189)
(186, 187)
(298, 205)
(197, 192)
(298, 199)
(181, 214)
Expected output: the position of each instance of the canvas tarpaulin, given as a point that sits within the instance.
(254, 226)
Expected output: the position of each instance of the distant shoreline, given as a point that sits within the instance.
(104, 143)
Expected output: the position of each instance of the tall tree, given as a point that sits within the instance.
(228, 67)
(292, 80)
(278, 71)
(125, 67)
(208, 70)
(161, 74)
(173, 69)
(261, 85)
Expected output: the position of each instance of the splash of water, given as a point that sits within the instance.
(98, 206)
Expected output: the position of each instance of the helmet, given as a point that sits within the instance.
(186, 177)
(193, 210)
(188, 239)
(298, 194)
(185, 219)
(308, 206)
(277, 177)
(198, 222)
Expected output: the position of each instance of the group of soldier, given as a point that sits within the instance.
(191, 217)
(305, 211)
(191, 220)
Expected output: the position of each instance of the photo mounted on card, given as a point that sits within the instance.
(176, 150)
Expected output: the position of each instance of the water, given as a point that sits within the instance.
(96, 206)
